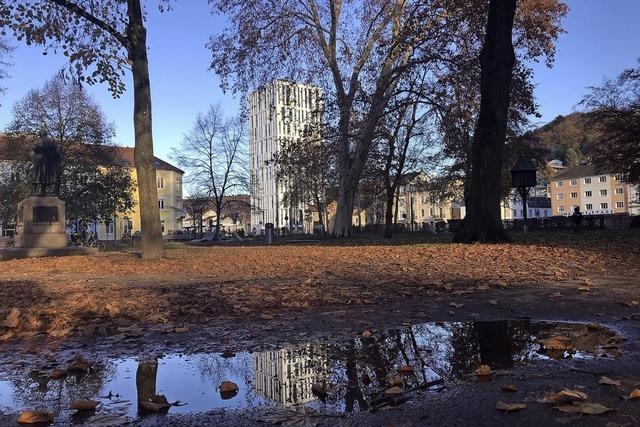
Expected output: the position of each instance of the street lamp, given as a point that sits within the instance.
(523, 177)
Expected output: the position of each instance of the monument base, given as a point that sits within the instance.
(41, 223)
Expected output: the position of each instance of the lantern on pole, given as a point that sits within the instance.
(523, 177)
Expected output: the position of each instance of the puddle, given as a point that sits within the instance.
(354, 373)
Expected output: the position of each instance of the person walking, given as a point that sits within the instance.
(576, 219)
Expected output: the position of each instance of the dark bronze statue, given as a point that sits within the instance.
(46, 160)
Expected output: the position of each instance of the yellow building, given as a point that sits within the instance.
(170, 203)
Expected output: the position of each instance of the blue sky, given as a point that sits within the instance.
(602, 38)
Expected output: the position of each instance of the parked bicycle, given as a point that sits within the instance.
(88, 240)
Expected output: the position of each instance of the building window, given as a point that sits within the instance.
(604, 205)
(619, 190)
(602, 179)
(589, 207)
(560, 196)
(619, 177)
(160, 204)
(162, 225)
(559, 183)
(160, 182)
(588, 194)
(619, 205)
(560, 208)
(573, 182)
(574, 195)
(603, 192)
(110, 228)
(587, 180)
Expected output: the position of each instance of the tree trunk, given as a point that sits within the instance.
(216, 234)
(388, 216)
(482, 222)
(152, 244)
(344, 210)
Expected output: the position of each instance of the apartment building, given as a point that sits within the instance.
(595, 192)
(278, 112)
(170, 203)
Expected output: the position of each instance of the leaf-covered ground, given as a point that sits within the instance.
(119, 294)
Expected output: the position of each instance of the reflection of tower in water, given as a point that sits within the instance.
(287, 375)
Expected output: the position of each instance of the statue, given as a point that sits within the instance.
(46, 160)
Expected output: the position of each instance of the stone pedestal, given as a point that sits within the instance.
(41, 223)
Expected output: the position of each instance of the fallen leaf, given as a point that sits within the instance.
(456, 305)
(509, 387)
(394, 391)
(366, 334)
(493, 302)
(584, 408)
(608, 381)
(509, 407)
(559, 342)
(630, 303)
(556, 295)
(405, 370)
(565, 395)
(181, 329)
(635, 394)
(13, 318)
(83, 405)
(35, 417)
(228, 389)
(57, 374)
(79, 363)
(394, 380)
(483, 371)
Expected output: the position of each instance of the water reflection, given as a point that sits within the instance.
(349, 375)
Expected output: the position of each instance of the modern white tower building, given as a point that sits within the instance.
(280, 111)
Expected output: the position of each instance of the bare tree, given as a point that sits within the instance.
(213, 153)
(355, 50)
(5, 49)
(102, 39)
(615, 117)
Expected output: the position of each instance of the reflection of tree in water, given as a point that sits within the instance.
(495, 343)
(34, 390)
(146, 379)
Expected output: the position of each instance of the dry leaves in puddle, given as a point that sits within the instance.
(35, 417)
(559, 342)
(483, 371)
(586, 408)
(509, 407)
(608, 381)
